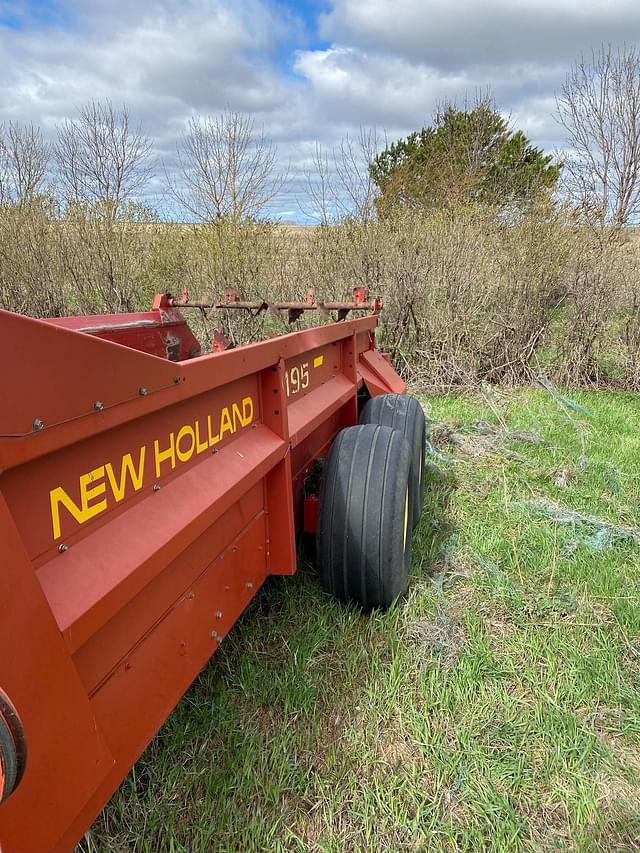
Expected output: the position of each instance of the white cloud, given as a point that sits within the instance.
(387, 63)
(460, 33)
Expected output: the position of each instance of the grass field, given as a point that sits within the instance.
(497, 707)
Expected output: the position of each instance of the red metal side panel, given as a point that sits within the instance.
(164, 333)
(142, 504)
(378, 375)
(100, 654)
(67, 757)
(161, 667)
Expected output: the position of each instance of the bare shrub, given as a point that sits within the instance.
(24, 160)
(226, 169)
(30, 280)
(599, 108)
(628, 314)
(467, 298)
(102, 161)
(339, 185)
(207, 260)
(104, 263)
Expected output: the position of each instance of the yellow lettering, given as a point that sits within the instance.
(181, 447)
(59, 496)
(237, 416)
(225, 422)
(88, 493)
(247, 411)
(127, 470)
(213, 439)
(162, 455)
(201, 446)
(185, 455)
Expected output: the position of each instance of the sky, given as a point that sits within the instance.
(308, 72)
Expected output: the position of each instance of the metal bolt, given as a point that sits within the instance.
(218, 614)
(143, 392)
(176, 379)
(62, 548)
(214, 635)
(37, 424)
(215, 450)
(156, 487)
(98, 406)
(249, 585)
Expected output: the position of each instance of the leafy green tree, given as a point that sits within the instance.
(468, 155)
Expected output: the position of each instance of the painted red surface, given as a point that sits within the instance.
(143, 501)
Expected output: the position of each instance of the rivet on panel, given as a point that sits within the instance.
(62, 548)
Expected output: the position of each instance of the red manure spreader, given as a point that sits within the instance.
(146, 492)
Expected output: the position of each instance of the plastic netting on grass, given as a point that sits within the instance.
(595, 533)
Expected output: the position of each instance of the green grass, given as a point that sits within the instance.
(496, 707)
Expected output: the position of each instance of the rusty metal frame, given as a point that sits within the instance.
(233, 300)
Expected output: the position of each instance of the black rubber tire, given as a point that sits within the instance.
(364, 529)
(402, 412)
(9, 759)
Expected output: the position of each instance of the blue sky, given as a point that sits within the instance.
(309, 73)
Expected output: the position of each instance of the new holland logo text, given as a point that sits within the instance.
(108, 484)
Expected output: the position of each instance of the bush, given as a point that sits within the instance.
(468, 297)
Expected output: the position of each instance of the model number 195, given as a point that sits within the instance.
(296, 379)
